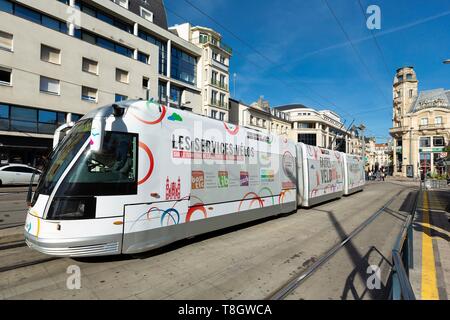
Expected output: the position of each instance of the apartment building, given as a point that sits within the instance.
(214, 67)
(318, 128)
(259, 116)
(421, 126)
(60, 59)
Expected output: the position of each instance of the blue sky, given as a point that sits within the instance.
(307, 58)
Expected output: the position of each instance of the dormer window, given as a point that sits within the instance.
(146, 14)
(409, 76)
(400, 78)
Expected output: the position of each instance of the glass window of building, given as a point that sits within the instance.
(221, 116)
(203, 38)
(120, 97)
(5, 76)
(90, 66)
(162, 45)
(89, 94)
(309, 139)
(424, 121)
(162, 92)
(438, 120)
(184, 66)
(146, 14)
(425, 142)
(51, 55)
(48, 85)
(23, 119)
(145, 83)
(4, 117)
(214, 114)
(175, 93)
(438, 142)
(6, 41)
(142, 57)
(122, 76)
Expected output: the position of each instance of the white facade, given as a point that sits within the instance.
(320, 128)
(213, 71)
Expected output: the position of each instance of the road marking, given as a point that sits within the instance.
(429, 281)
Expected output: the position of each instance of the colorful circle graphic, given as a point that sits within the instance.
(163, 114)
(230, 131)
(152, 162)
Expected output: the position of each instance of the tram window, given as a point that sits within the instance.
(111, 171)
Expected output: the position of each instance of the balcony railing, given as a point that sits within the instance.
(431, 126)
(219, 104)
(219, 84)
(216, 43)
(398, 129)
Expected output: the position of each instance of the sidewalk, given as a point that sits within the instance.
(430, 274)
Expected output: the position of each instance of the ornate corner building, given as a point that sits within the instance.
(421, 126)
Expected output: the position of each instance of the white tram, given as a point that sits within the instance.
(137, 175)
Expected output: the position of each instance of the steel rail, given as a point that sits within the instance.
(297, 280)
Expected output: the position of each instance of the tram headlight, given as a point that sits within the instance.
(72, 208)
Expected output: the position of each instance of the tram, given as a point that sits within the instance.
(137, 175)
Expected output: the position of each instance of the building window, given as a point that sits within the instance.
(5, 76)
(89, 94)
(400, 78)
(162, 92)
(146, 14)
(96, 13)
(438, 142)
(408, 76)
(221, 116)
(424, 121)
(90, 66)
(162, 45)
(104, 43)
(411, 93)
(215, 56)
(214, 114)
(214, 100)
(145, 82)
(309, 139)
(33, 16)
(438, 120)
(184, 66)
(48, 85)
(203, 38)
(175, 94)
(425, 142)
(122, 76)
(306, 125)
(6, 41)
(120, 97)
(23, 119)
(51, 55)
(142, 57)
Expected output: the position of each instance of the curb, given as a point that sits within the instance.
(11, 235)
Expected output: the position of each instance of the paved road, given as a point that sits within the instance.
(248, 262)
(13, 208)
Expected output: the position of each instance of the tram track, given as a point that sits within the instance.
(12, 245)
(297, 280)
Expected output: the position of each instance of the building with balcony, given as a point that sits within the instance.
(318, 128)
(421, 126)
(260, 116)
(213, 73)
(61, 59)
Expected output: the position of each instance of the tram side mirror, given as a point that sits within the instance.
(97, 134)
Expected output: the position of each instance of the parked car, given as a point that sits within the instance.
(18, 174)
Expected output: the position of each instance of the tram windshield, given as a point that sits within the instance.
(62, 156)
(110, 171)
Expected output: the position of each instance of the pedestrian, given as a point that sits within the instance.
(370, 175)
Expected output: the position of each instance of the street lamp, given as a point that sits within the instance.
(362, 127)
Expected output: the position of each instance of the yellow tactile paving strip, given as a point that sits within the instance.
(429, 280)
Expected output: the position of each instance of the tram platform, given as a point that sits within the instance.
(430, 272)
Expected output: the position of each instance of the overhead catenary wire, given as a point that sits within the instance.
(361, 60)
